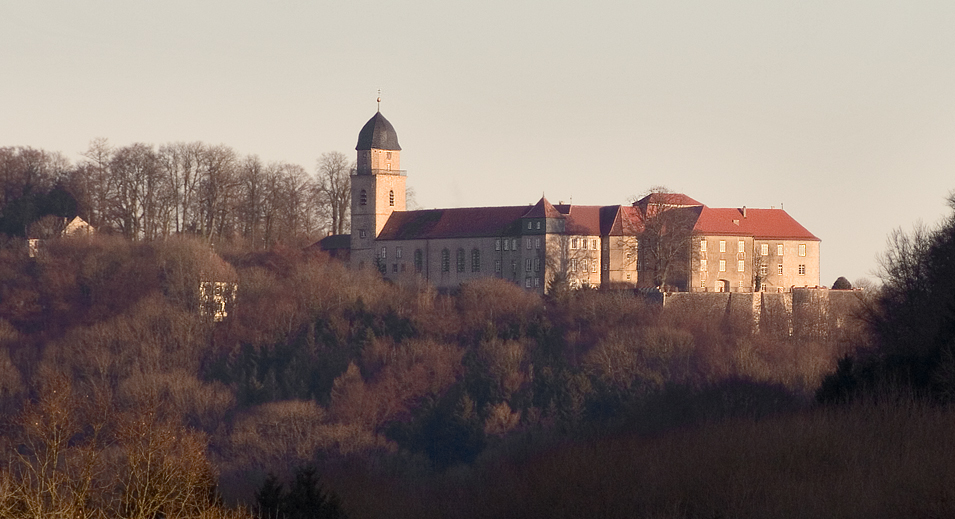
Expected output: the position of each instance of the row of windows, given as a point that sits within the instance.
(741, 267)
(511, 244)
(583, 265)
(460, 260)
(763, 248)
(581, 243)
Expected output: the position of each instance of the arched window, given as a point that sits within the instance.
(418, 261)
(475, 260)
(363, 198)
(460, 260)
(445, 260)
(391, 198)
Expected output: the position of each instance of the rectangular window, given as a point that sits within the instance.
(537, 243)
(573, 264)
(741, 246)
(763, 269)
(702, 245)
(537, 282)
(506, 243)
(722, 265)
(779, 269)
(537, 264)
(606, 266)
(362, 233)
(593, 266)
(740, 265)
(530, 225)
(497, 244)
(779, 249)
(527, 243)
(527, 265)
(394, 267)
(497, 265)
(764, 249)
(702, 265)
(527, 282)
(583, 265)
(802, 270)
(573, 243)
(384, 252)
(802, 249)
(514, 244)
(722, 245)
(538, 226)
(397, 252)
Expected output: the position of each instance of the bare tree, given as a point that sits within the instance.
(218, 191)
(334, 188)
(664, 244)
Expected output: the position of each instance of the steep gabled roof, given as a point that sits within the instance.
(543, 209)
(758, 223)
(464, 222)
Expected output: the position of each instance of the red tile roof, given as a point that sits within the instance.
(464, 222)
(543, 209)
(669, 199)
(591, 220)
(758, 223)
(582, 220)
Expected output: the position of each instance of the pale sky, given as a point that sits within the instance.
(843, 111)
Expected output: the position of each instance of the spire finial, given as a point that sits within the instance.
(379, 100)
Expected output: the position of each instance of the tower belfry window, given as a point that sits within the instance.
(363, 198)
(391, 198)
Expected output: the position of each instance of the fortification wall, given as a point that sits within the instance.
(803, 312)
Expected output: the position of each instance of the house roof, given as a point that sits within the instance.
(463, 222)
(666, 199)
(543, 209)
(378, 133)
(334, 241)
(590, 220)
(581, 219)
(758, 223)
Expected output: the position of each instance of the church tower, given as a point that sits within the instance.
(377, 187)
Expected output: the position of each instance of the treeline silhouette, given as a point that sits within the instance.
(140, 191)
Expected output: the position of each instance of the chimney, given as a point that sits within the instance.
(744, 211)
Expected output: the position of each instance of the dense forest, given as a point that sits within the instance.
(328, 392)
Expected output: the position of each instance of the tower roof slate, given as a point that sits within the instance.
(379, 134)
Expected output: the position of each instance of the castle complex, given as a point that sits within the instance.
(663, 240)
